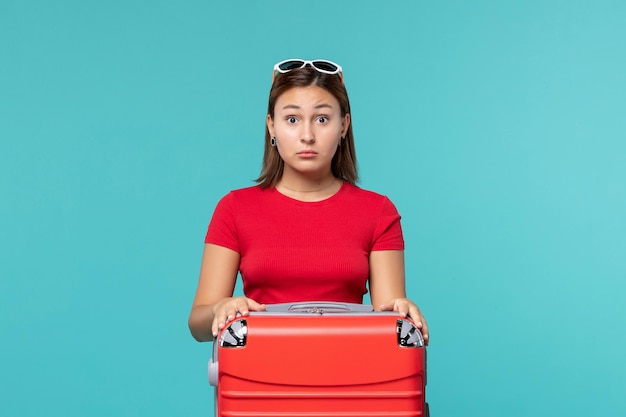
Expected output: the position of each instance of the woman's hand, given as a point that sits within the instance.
(406, 307)
(228, 308)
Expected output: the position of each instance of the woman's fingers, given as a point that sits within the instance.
(254, 306)
(219, 318)
(228, 309)
(406, 307)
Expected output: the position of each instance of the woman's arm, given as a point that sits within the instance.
(388, 290)
(214, 304)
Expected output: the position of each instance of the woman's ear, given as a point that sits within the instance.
(270, 125)
(345, 124)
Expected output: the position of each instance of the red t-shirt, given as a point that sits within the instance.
(305, 251)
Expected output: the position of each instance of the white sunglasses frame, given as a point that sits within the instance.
(305, 62)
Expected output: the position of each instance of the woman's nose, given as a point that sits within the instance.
(308, 136)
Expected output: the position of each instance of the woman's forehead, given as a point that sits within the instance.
(306, 97)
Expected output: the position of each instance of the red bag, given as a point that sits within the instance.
(319, 359)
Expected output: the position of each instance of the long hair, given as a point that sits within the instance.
(343, 165)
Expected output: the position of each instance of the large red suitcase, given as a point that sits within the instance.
(319, 360)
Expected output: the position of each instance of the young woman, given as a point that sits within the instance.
(306, 232)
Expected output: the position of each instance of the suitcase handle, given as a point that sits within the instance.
(319, 307)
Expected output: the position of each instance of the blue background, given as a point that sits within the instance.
(497, 128)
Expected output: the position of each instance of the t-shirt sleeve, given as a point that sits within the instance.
(222, 229)
(388, 231)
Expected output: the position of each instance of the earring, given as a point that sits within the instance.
(273, 141)
(343, 141)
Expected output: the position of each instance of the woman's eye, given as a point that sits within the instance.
(291, 119)
(322, 119)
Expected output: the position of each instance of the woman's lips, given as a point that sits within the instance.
(307, 154)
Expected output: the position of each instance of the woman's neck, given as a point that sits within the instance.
(309, 190)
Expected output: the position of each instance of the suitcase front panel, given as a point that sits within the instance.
(330, 365)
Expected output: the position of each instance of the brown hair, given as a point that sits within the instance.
(343, 165)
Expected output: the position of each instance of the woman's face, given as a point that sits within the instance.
(308, 127)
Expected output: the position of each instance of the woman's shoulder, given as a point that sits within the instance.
(253, 192)
(368, 199)
(357, 192)
(246, 191)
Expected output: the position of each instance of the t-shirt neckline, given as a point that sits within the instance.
(327, 200)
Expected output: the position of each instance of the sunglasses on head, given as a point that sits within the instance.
(321, 65)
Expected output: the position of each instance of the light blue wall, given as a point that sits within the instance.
(497, 128)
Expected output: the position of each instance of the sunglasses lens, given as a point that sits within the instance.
(290, 65)
(325, 66)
